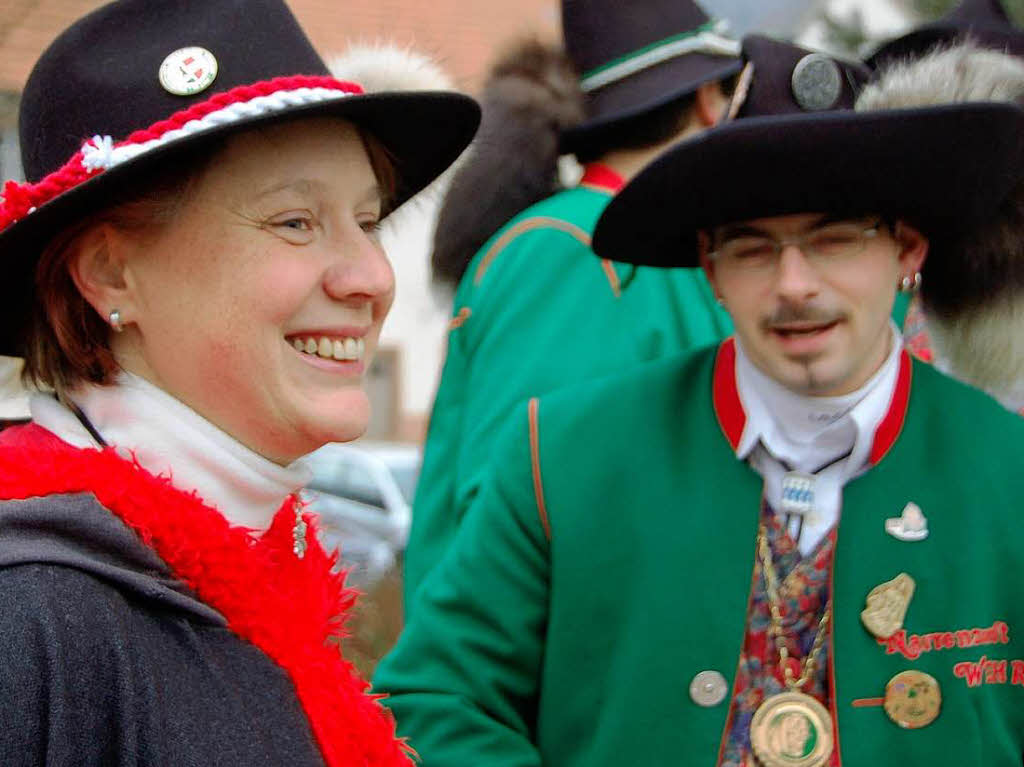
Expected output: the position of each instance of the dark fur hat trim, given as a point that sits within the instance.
(531, 95)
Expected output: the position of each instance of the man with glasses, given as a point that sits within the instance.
(837, 341)
(797, 548)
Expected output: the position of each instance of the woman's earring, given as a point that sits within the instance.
(115, 321)
(910, 284)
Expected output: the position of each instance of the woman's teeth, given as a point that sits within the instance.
(331, 348)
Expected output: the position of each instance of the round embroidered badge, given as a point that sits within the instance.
(188, 71)
(913, 699)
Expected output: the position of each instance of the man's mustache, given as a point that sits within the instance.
(787, 314)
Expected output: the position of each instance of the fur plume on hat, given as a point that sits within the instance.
(386, 67)
(381, 67)
(973, 288)
(531, 95)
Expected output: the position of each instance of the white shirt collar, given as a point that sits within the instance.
(167, 437)
(807, 431)
(13, 396)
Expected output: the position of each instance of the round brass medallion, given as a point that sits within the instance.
(791, 730)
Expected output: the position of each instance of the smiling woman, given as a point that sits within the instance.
(67, 341)
(201, 286)
(274, 242)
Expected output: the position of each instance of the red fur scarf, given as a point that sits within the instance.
(292, 609)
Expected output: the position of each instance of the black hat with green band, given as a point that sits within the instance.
(636, 57)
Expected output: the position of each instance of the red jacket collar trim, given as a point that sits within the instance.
(732, 418)
(601, 178)
(892, 424)
(725, 394)
(292, 609)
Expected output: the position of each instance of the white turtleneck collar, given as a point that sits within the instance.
(785, 430)
(804, 430)
(167, 437)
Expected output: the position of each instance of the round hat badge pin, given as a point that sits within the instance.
(188, 71)
(817, 83)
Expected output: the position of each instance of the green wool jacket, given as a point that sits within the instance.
(609, 556)
(536, 310)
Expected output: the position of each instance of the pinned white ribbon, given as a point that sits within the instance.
(98, 153)
(910, 525)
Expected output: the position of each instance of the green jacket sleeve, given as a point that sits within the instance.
(528, 341)
(463, 679)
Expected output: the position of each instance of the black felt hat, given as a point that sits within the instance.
(984, 21)
(635, 57)
(138, 81)
(937, 167)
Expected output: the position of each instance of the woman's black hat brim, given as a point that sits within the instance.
(424, 132)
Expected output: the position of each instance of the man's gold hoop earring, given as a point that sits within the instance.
(115, 321)
(910, 284)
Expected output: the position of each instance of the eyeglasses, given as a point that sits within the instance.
(826, 244)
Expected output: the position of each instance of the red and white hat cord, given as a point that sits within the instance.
(100, 153)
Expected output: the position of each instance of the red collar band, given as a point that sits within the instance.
(732, 418)
(601, 178)
(892, 424)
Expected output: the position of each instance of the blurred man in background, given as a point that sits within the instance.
(533, 308)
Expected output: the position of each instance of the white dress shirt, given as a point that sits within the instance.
(787, 431)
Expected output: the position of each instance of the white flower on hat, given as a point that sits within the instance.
(98, 153)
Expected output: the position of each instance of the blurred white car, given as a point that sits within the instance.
(362, 494)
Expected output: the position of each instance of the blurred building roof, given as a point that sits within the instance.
(462, 35)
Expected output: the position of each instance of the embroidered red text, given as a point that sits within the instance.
(911, 646)
(986, 671)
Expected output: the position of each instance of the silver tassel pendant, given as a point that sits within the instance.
(299, 534)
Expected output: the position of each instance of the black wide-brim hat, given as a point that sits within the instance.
(634, 58)
(982, 21)
(939, 168)
(137, 83)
